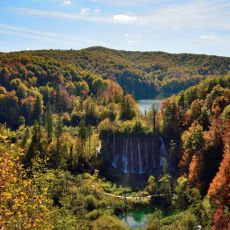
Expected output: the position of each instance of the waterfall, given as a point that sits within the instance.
(132, 169)
(135, 154)
(139, 157)
(126, 156)
(98, 149)
(123, 156)
(114, 163)
(153, 154)
(146, 156)
(163, 153)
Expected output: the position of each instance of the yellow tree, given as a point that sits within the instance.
(21, 205)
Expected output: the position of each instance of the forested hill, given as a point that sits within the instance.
(58, 118)
(144, 74)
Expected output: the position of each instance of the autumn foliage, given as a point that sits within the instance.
(22, 206)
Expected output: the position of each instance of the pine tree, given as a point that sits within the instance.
(38, 108)
(82, 130)
(154, 112)
(57, 154)
(35, 145)
(48, 121)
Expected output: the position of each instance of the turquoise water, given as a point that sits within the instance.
(146, 104)
(136, 219)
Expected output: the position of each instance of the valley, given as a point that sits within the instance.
(109, 139)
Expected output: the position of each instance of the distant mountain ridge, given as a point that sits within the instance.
(144, 74)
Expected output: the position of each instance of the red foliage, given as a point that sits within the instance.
(221, 219)
(219, 188)
(195, 169)
(219, 104)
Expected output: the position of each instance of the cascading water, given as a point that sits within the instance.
(146, 155)
(133, 154)
(114, 163)
(153, 157)
(139, 157)
(126, 156)
(163, 153)
(123, 156)
(132, 168)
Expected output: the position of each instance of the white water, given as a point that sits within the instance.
(123, 155)
(124, 159)
(126, 156)
(114, 152)
(132, 169)
(139, 157)
(163, 152)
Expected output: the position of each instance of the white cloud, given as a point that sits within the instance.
(67, 2)
(124, 18)
(40, 35)
(139, 35)
(124, 3)
(63, 15)
(96, 11)
(85, 14)
(195, 14)
(191, 14)
(85, 11)
(212, 38)
(88, 11)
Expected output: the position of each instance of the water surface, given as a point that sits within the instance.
(137, 218)
(146, 104)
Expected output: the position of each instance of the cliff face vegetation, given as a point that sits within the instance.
(60, 109)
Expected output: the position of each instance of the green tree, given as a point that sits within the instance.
(170, 119)
(49, 122)
(193, 143)
(165, 189)
(128, 108)
(59, 129)
(38, 108)
(151, 187)
(83, 131)
(181, 196)
(36, 145)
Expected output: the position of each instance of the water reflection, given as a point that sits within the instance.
(136, 219)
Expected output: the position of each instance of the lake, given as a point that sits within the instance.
(146, 104)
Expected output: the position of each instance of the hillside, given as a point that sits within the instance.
(73, 145)
(144, 74)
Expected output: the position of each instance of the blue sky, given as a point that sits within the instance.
(195, 26)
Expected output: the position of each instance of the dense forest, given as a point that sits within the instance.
(59, 108)
(142, 74)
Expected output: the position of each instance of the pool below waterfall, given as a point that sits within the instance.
(137, 218)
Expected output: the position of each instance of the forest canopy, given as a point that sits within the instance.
(58, 109)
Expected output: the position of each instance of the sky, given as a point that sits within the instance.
(181, 26)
